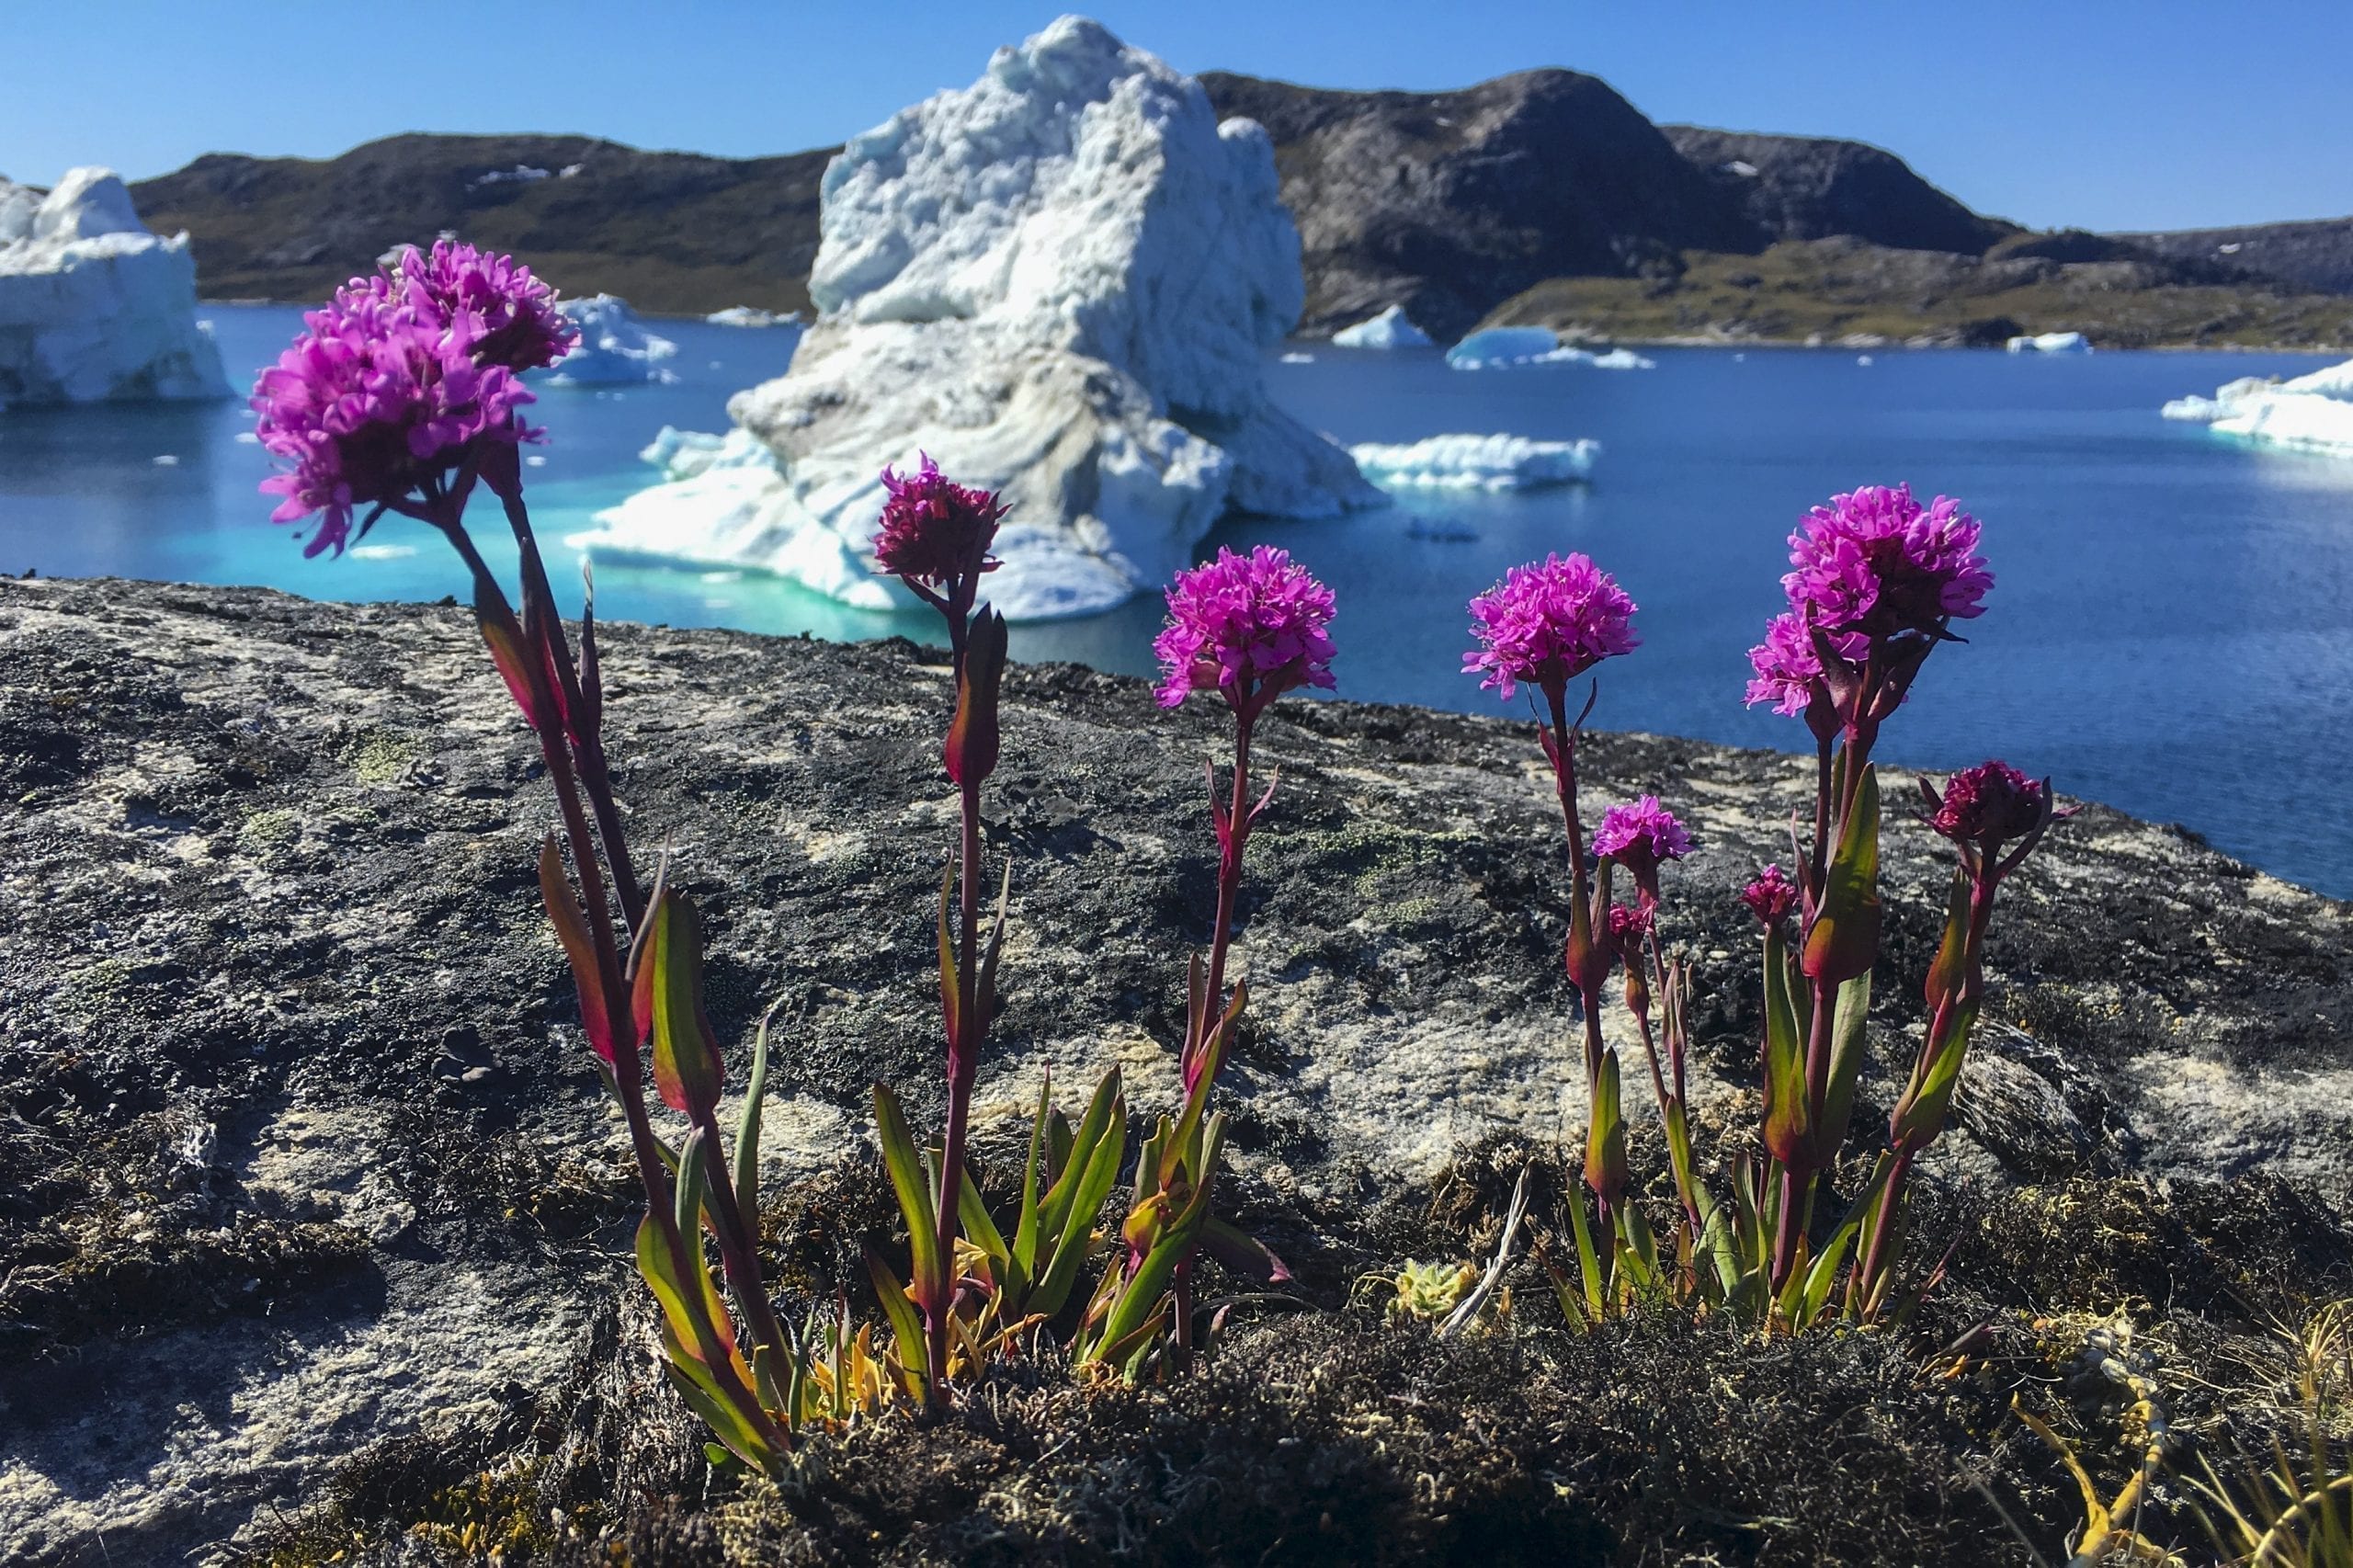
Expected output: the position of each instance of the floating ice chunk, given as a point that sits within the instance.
(1511, 347)
(166, 459)
(2050, 342)
(1059, 282)
(92, 306)
(2314, 411)
(1476, 462)
(614, 348)
(1298, 358)
(752, 316)
(682, 454)
(1390, 329)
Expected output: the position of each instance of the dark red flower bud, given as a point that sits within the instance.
(973, 738)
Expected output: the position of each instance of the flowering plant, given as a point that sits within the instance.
(1249, 628)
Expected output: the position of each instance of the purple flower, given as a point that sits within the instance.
(391, 381)
(1250, 626)
(1772, 897)
(1989, 805)
(510, 315)
(1629, 925)
(1642, 837)
(1878, 562)
(1788, 672)
(933, 530)
(1547, 624)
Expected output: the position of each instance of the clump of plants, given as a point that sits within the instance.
(405, 394)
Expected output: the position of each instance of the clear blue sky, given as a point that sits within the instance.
(2099, 113)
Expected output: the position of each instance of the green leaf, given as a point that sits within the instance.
(1153, 1274)
(689, 1189)
(979, 1229)
(1844, 939)
(914, 1192)
(1952, 952)
(1787, 1124)
(1825, 1271)
(1212, 1056)
(1077, 1197)
(906, 1326)
(1588, 1259)
(669, 1008)
(748, 1130)
(1678, 1155)
(1920, 1115)
(1025, 1229)
(1605, 1145)
(1849, 1019)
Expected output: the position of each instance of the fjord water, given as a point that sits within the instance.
(2171, 630)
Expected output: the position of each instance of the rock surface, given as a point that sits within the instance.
(1057, 282)
(1811, 187)
(304, 1154)
(94, 308)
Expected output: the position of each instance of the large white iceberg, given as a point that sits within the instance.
(1476, 462)
(2313, 411)
(2050, 342)
(1390, 329)
(1510, 347)
(1059, 283)
(614, 350)
(92, 306)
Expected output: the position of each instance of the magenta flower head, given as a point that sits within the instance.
(1878, 562)
(1772, 897)
(1788, 670)
(1546, 624)
(1629, 925)
(1988, 805)
(1642, 837)
(378, 397)
(934, 531)
(1251, 627)
(510, 316)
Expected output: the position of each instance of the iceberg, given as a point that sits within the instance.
(752, 316)
(2314, 411)
(1510, 347)
(614, 350)
(1476, 462)
(1390, 329)
(93, 307)
(1059, 283)
(2050, 342)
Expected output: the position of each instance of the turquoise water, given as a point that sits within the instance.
(2171, 631)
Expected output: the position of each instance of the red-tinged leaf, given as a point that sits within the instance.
(971, 748)
(686, 1069)
(592, 679)
(1788, 1121)
(572, 931)
(538, 625)
(1844, 939)
(1241, 1254)
(508, 644)
(1952, 954)
(951, 990)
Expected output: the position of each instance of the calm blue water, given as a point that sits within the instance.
(2172, 629)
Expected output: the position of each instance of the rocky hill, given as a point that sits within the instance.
(669, 231)
(1449, 203)
(2315, 256)
(312, 1213)
(1813, 188)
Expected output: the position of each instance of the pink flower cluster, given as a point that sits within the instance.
(1641, 835)
(1877, 561)
(1249, 626)
(1547, 624)
(935, 530)
(389, 383)
(1989, 805)
(1873, 564)
(1772, 897)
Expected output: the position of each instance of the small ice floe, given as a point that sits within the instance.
(1510, 347)
(1863, 359)
(1298, 358)
(166, 459)
(614, 345)
(2314, 411)
(248, 438)
(1390, 329)
(535, 461)
(2050, 343)
(380, 551)
(1476, 462)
